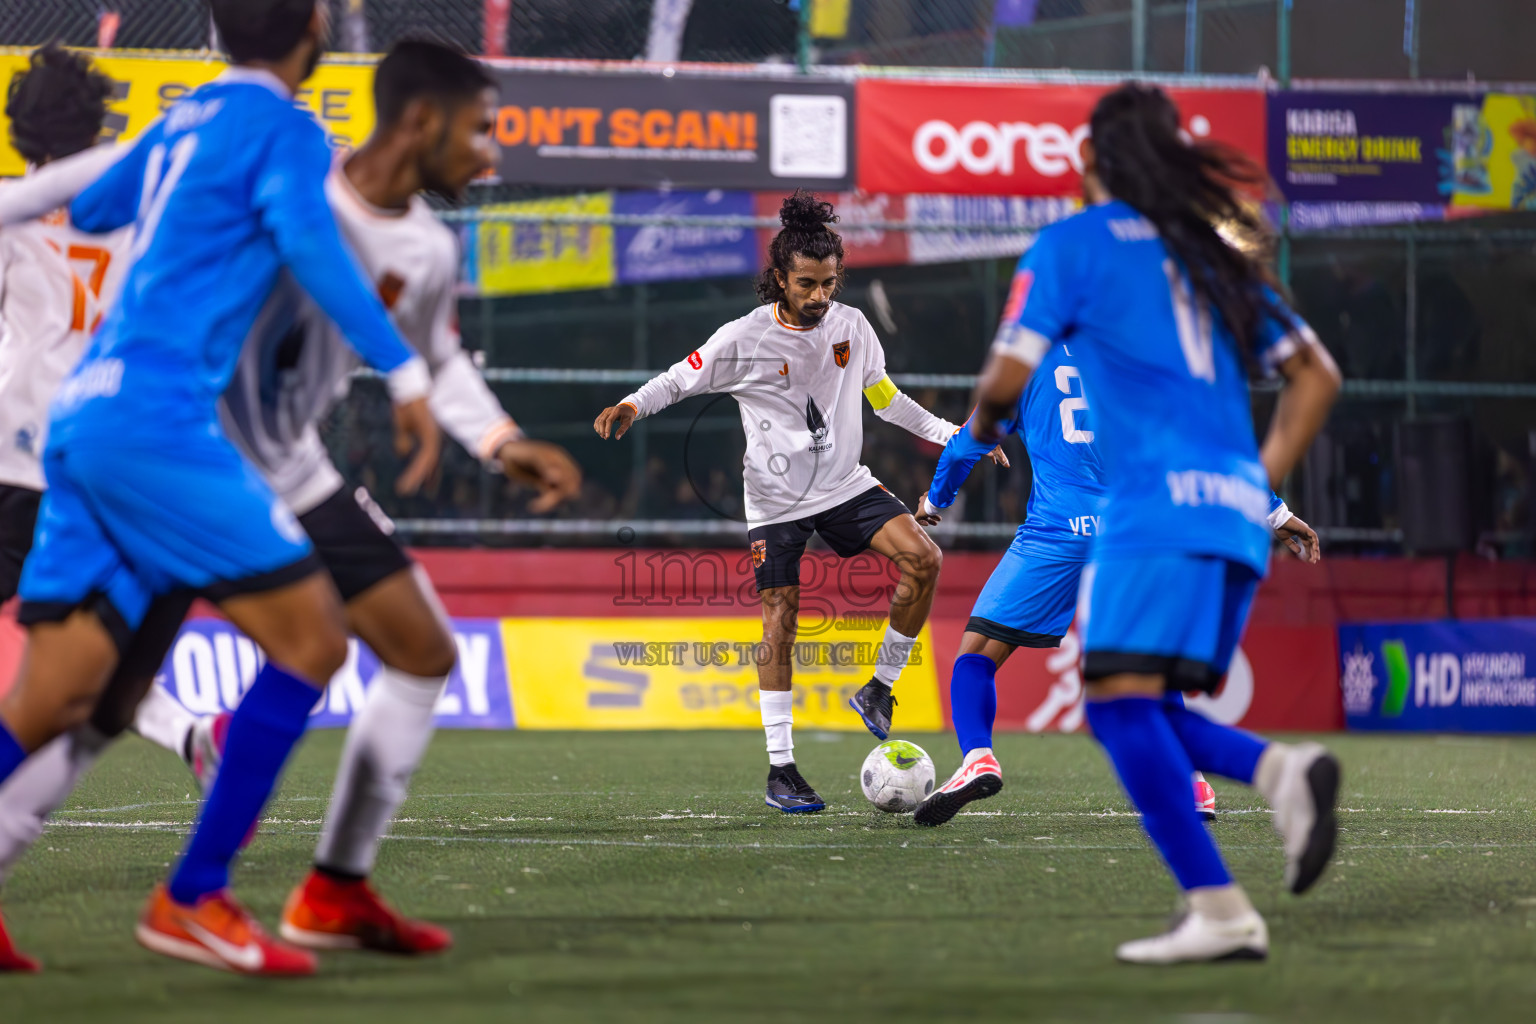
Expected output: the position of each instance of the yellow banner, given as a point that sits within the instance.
(666, 673)
(341, 96)
(522, 258)
(1500, 172)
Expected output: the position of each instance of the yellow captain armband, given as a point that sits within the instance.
(881, 393)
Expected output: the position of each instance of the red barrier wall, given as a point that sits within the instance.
(1290, 649)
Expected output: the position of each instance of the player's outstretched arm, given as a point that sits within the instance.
(1312, 383)
(56, 185)
(708, 370)
(960, 455)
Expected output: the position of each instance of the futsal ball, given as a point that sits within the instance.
(897, 775)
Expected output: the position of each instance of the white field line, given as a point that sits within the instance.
(572, 842)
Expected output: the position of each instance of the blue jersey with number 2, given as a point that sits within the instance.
(1172, 420)
(1066, 495)
(224, 190)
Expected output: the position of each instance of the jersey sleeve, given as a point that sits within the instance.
(1041, 301)
(290, 198)
(1281, 334)
(461, 401)
(960, 455)
(111, 200)
(56, 184)
(712, 369)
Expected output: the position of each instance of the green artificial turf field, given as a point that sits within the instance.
(638, 876)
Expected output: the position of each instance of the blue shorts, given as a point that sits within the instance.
(121, 525)
(1178, 616)
(1028, 600)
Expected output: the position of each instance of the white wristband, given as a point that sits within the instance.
(1278, 517)
(409, 381)
(927, 508)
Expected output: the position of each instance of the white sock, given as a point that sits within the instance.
(895, 649)
(975, 753)
(163, 721)
(386, 742)
(1219, 902)
(778, 709)
(1266, 777)
(40, 787)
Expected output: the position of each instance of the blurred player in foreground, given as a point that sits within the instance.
(55, 283)
(1163, 316)
(1031, 595)
(146, 494)
(435, 108)
(797, 366)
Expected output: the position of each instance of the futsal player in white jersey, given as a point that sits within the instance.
(435, 108)
(800, 366)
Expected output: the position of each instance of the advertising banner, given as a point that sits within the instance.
(1470, 676)
(864, 246)
(679, 131)
(694, 673)
(1282, 678)
(341, 96)
(1027, 215)
(505, 258)
(212, 664)
(1011, 139)
(1495, 153)
(660, 253)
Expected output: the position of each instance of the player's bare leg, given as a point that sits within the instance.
(63, 671)
(918, 559)
(335, 907)
(973, 698)
(787, 789)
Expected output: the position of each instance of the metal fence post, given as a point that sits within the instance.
(1138, 35)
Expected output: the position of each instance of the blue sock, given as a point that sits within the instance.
(1218, 749)
(973, 700)
(263, 731)
(1155, 772)
(11, 753)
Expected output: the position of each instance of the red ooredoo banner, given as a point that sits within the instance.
(1019, 140)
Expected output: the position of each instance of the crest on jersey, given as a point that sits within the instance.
(390, 287)
(816, 423)
(840, 354)
(759, 553)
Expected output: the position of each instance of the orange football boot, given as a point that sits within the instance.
(217, 932)
(1205, 798)
(329, 913)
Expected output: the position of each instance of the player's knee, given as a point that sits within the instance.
(316, 655)
(430, 655)
(924, 563)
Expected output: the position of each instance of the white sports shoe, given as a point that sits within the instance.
(1305, 799)
(1198, 938)
(207, 748)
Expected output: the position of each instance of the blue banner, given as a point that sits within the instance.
(1440, 676)
(656, 253)
(212, 664)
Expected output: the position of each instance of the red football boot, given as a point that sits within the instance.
(1205, 798)
(11, 959)
(329, 913)
(217, 932)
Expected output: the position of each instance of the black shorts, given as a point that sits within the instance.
(350, 542)
(355, 541)
(18, 520)
(847, 529)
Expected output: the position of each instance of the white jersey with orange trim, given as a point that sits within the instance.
(296, 365)
(55, 284)
(799, 389)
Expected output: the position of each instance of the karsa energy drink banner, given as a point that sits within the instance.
(647, 130)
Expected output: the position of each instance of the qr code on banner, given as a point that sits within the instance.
(808, 136)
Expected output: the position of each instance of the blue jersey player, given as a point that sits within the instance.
(146, 495)
(1163, 316)
(1031, 596)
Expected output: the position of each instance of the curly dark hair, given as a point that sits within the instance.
(1187, 190)
(56, 105)
(805, 233)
